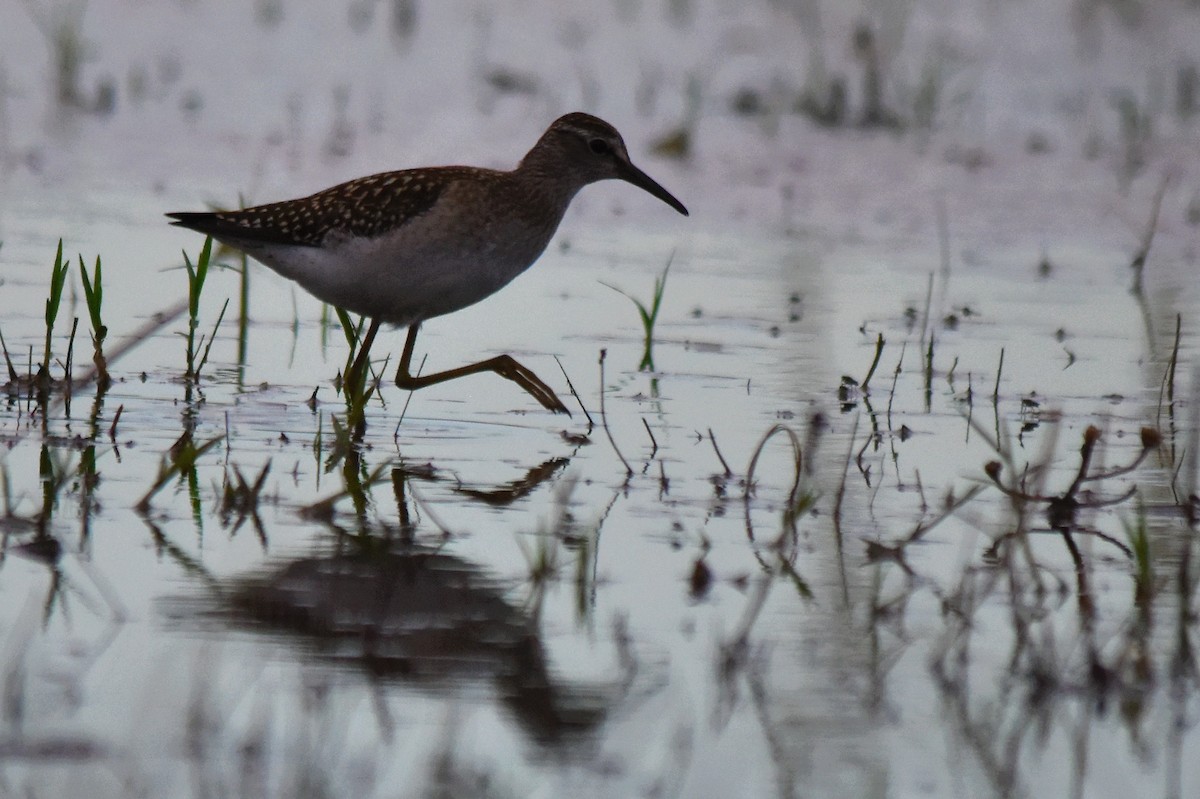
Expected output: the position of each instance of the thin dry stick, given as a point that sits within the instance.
(649, 432)
(874, 363)
(1168, 382)
(68, 366)
(1174, 359)
(1186, 493)
(575, 394)
(999, 371)
(891, 398)
(720, 457)
(1151, 439)
(929, 373)
(404, 410)
(797, 453)
(112, 428)
(996, 394)
(604, 418)
(895, 379)
(12, 372)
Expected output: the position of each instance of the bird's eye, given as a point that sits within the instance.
(599, 146)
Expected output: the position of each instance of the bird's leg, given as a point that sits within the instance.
(357, 371)
(503, 365)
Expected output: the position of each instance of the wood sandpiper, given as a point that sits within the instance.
(403, 247)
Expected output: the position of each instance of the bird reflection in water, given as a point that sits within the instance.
(425, 618)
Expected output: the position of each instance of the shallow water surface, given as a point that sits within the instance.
(485, 589)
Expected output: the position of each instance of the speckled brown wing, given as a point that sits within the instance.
(366, 207)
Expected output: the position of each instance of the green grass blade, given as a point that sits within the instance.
(93, 293)
(58, 278)
(197, 276)
(648, 315)
(349, 329)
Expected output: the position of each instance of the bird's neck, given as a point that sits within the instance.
(545, 167)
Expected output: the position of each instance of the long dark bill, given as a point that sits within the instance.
(631, 174)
